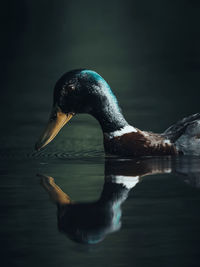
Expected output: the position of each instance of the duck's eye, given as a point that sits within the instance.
(71, 86)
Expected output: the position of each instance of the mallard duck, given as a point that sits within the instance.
(85, 91)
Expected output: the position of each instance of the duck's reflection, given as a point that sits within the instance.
(89, 223)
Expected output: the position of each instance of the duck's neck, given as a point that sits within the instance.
(110, 122)
(108, 114)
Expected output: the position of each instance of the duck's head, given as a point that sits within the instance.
(81, 91)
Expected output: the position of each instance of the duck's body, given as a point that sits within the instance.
(138, 143)
(85, 91)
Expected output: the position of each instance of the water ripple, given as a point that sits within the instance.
(70, 155)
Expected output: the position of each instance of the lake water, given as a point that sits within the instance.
(149, 54)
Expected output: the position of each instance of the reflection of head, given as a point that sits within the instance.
(89, 223)
(83, 223)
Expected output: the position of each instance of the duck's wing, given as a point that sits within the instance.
(179, 128)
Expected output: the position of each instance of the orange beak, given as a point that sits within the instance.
(57, 120)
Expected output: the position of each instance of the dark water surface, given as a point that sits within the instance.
(148, 51)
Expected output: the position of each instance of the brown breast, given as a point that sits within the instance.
(138, 144)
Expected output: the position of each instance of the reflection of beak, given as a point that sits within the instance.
(57, 120)
(55, 192)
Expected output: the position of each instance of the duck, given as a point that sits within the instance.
(85, 91)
